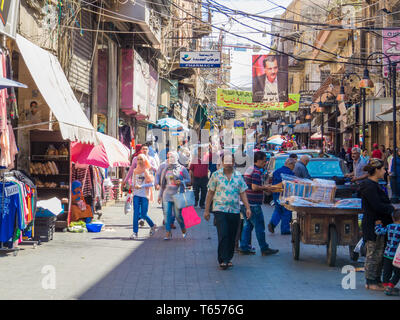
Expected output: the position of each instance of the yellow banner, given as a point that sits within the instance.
(244, 100)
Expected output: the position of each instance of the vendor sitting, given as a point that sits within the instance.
(79, 208)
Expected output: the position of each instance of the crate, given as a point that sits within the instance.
(45, 221)
(44, 234)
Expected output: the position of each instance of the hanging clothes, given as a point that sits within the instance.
(84, 176)
(3, 95)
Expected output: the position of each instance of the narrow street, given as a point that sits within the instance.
(108, 265)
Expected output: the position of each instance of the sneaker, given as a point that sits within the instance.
(184, 234)
(269, 252)
(389, 291)
(168, 236)
(271, 228)
(247, 252)
(152, 230)
(133, 236)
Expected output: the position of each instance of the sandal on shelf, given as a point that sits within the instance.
(223, 266)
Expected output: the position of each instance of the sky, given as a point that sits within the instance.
(241, 61)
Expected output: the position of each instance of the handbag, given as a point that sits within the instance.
(190, 217)
(184, 199)
(396, 260)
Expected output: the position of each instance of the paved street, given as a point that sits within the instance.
(108, 265)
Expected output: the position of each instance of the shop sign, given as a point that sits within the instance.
(174, 96)
(153, 94)
(229, 114)
(142, 82)
(244, 100)
(9, 17)
(200, 59)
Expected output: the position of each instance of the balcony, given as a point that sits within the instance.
(201, 29)
(140, 13)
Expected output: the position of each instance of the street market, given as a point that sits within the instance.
(197, 150)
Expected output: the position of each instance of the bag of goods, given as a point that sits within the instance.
(294, 186)
(323, 190)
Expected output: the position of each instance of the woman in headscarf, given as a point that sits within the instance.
(79, 207)
(172, 181)
(142, 182)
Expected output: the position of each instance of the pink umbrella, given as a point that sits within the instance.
(109, 153)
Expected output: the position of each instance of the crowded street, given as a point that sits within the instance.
(110, 266)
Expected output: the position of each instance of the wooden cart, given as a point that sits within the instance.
(324, 226)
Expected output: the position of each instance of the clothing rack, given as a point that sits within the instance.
(4, 173)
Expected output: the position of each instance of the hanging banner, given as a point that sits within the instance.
(391, 47)
(270, 78)
(243, 100)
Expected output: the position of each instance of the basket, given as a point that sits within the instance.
(94, 227)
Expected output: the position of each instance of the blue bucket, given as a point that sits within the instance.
(94, 227)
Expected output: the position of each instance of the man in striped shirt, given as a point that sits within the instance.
(255, 194)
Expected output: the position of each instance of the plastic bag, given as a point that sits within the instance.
(352, 203)
(323, 190)
(190, 217)
(396, 260)
(128, 203)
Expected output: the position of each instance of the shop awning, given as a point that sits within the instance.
(50, 79)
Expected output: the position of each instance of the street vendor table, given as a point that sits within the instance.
(324, 226)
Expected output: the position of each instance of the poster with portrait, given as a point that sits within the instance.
(270, 78)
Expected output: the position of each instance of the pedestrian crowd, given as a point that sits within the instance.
(236, 200)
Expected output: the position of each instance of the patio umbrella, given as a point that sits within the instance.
(277, 141)
(7, 83)
(109, 153)
(277, 136)
(171, 124)
(317, 136)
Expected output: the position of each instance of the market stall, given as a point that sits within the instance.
(318, 218)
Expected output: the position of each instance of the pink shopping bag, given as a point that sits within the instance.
(190, 217)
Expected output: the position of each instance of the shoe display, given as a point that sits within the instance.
(269, 252)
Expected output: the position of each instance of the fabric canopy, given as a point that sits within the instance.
(277, 141)
(7, 83)
(50, 79)
(109, 153)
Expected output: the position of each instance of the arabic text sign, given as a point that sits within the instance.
(391, 47)
(200, 59)
(243, 100)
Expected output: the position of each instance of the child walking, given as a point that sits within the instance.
(391, 274)
(142, 182)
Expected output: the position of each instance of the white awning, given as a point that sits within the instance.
(50, 79)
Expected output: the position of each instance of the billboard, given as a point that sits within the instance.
(270, 78)
(391, 47)
(244, 100)
(200, 59)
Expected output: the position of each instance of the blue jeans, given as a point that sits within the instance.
(140, 208)
(283, 215)
(256, 221)
(172, 212)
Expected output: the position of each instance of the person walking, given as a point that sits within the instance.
(225, 189)
(300, 168)
(255, 194)
(391, 274)
(173, 178)
(376, 206)
(281, 214)
(143, 180)
(376, 153)
(199, 176)
(365, 156)
(359, 163)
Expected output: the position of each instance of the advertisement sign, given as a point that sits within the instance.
(174, 96)
(244, 100)
(153, 94)
(391, 47)
(200, 59)
(9, 17)
(270, 78)
(140, 89)
(127, 81)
